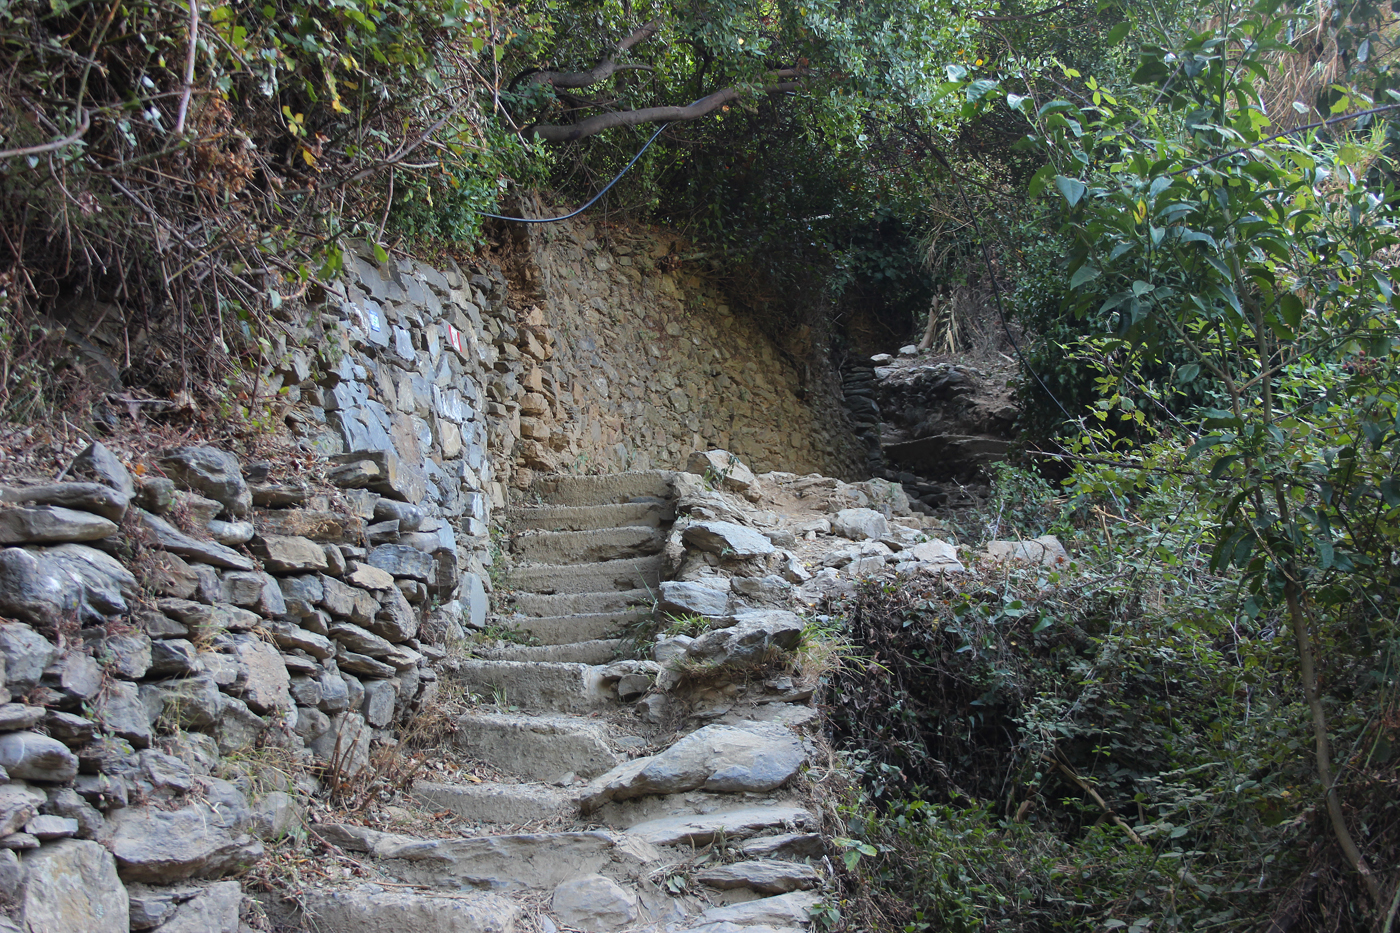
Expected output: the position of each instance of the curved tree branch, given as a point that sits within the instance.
(605, 68)
(606, 121)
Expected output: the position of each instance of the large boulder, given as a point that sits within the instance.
(161, 846)
(752, 635)
(721, 468)
(860, 524)
(727, 539)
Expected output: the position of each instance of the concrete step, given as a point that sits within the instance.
(634, 573)
(570, 630)
(489, 803)
(538, 748)
(532, 686)
(593, 546)
(622, 602)
(596, 651)
(609, 489)
(524, 862)
(589, 517)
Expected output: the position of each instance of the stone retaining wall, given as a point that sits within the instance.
(632, 362)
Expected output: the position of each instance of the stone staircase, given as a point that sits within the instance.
(611, 811)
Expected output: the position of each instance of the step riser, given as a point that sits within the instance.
(592, 517)
(638, 573)
(496, 805)
(602, 490)
(598, 651)
(619, 602)
(535, 749)
(583, 547)
(531, 686)
(570, 630)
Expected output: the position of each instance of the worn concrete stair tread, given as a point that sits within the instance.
(607, 489)
(602, 576)
(539, 748)
(701, 829)
(533, 685)
(513, 862)
(592, 651)
(594, 545)
(587, 517)
(497, 804)
(565, 604)
(572, 629)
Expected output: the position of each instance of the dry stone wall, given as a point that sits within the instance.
(628, 362)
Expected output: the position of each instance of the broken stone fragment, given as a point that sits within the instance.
(167, 537)
(594, 904)
(29, 756)
(161, 846)
(860, 524)
(721, 467)
(1046, 550)
(751, 636)
(727, 539)
(73, 885)
(766, 876)
(99, 463)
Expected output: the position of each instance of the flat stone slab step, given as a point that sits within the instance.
(595, 651)
(532, 686)
(538, 748)
(630, 574)
(608, 489)
(588, 517)
(521, 862)
(592, 546)
(565, 604)
(701, 829)
(497, 804)
(785, 910)
(572, 629)
(373, 909)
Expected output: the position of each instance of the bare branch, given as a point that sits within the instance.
(189, 69)
(606, 121)
(605, 68)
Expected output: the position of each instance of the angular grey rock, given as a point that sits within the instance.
(933, 551)
(289, 554)
(744, 757)
(71, 730)
(101, 500)
(167, 537)
(396, 619)
(27, 655)
(47, 828)
(255, 591)
(751, 636)
(36, 589)
(15, 716)
(105, 583)
(372, 909)
(276, 814)
(721, 466)
(29, 756)
(594, 903)
(301, 594)
(72, 887)
(164, 772)
(120, 709)
(267, 683)
(380, 697)
(173, 657)
(685, 598)
(124, 656)
(75, 676)
(361, 640)
(52, 524)
(211, 909)
(409, 517)
(18, 805)
(766, 876)
(477, 604)
(345, 745)
(155, 494)
(211, 472)
(1046, 550)
(192, 703)
(150, 907)
(289, 637)
(230, 534)
(238, 727)
(784, 910)
(860, 524)
(363, 665)
(699, 830)
(786, 845)
(66, 802)
(727, 539)
(97, 462)
(161, 846)
(402, 561)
